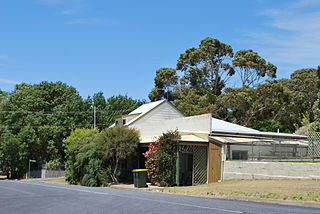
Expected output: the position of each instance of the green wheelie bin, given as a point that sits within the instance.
(140, 177)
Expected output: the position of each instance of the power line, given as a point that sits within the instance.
(54, 126)
(65, 112)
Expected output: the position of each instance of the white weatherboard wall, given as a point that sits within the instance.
(149, 130)
(165, 111)
(270, 170)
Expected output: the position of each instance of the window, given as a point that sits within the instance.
(120, 122)
(239, 155)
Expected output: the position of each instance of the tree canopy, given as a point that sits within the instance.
(164, 81)
(35, 119)
(38, 117)
(251, 67)
(206, 68)
(262, 102)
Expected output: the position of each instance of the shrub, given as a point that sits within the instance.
(94, 158)
(161, 159)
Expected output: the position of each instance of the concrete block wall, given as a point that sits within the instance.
(270, 170)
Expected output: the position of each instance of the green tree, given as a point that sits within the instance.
(78, 139)
(316, 112)
(99, 104)
(206, 68)
(39, 117)
(3, 95)
(303, 86)
(251, 67)
(266, 108)
(119, 105)
(191, 103)
(94, 158)
(13, 155)
(235, 105)
(117, 144)
(165, 80)
(272, 102)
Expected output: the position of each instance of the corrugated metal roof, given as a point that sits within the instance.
(220, 126)
(223, 126)
(236, 140)
(141, 111)
(144, 109)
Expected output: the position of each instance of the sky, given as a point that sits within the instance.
(115, 46)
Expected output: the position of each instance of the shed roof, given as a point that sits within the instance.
(239, 140)
(223, 126)
(227, 128)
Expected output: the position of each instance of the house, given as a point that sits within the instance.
(207, 143)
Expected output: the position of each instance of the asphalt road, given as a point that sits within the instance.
(26, 197)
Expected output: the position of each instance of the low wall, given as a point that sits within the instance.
(52, 173)
(270, 170)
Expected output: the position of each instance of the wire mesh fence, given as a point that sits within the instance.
(314, 144)
(291, 150)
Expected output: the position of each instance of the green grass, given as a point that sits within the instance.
(61, 180)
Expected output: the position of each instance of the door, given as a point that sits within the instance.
(214, 166)
(186, 169)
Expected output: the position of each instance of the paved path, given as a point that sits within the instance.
(26, 197)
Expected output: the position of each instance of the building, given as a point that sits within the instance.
(206, 143)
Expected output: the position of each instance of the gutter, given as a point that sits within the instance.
(257, 135)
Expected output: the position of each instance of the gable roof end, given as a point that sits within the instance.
(144, 109)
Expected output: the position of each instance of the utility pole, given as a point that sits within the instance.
(94, 117)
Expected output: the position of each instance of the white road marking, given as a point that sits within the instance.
(146, 199)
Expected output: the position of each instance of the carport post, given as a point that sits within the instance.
(178, 174)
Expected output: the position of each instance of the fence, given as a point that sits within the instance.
(307, 150)
(314, 144)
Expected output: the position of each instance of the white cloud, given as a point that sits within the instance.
(68, 12)
(85, 21)
(11, 82)
(52, 1)
(3, 56)
(291, 38)
(305, 3)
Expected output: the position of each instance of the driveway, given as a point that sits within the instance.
(26, 197)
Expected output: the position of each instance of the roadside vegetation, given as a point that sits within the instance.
(296, 190)
(35, 119)
(94, 158)
(60, 180)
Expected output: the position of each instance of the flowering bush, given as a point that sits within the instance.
(151, 156)
(161, 159)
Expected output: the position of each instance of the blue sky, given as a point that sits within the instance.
(115, 46)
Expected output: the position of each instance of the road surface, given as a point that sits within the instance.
(26, 197)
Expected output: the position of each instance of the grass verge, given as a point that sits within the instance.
(295, 190)
(61, 180)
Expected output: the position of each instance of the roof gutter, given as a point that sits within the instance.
(256, 135)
